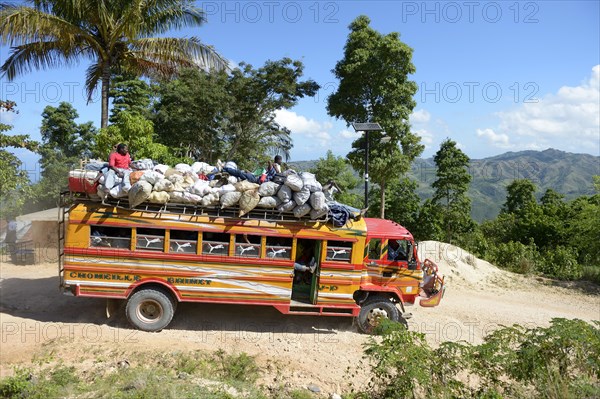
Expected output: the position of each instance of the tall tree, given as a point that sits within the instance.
(451, 186)
(130, 94)
(337, 169)
(255, 96)
(374, 87)
(116, 35)
(188, 114)
(14, 181)
(64, 143)
(215, 115)
(519, 196)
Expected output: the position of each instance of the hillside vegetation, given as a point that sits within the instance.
(566, 173)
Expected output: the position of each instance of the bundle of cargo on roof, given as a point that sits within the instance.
(200, 186)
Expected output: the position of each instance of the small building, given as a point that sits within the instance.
(36, 238)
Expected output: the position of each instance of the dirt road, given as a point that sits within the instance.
(36, 318)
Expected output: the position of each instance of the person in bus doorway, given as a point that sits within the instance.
(119, 165)
(306, 263)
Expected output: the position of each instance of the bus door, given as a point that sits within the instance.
(307, 266)
(314, 286)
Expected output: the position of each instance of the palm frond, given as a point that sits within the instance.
(20, 25)
(179, 52)
(147, 18)
(92, 77)
(39, 55)
(140, 66)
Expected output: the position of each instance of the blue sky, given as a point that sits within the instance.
(493, 76)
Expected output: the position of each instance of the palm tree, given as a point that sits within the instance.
(116, 35)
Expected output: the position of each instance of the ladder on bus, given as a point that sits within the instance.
(64, 205)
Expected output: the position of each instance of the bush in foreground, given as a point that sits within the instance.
(559, 361)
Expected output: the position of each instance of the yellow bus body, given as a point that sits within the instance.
(149, 251)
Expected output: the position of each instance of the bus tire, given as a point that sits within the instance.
(150, 309)
(374, 309)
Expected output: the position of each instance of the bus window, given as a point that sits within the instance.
(150, 239)
(110, 237)
(375, 249)
(279, 248)
(215, 243)
(247, 246)
(339, 251)
(183, 241)
(397, 250)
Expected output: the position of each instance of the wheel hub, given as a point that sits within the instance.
(375, 315)
(149, 311)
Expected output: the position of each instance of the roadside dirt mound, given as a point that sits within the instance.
(461, 268)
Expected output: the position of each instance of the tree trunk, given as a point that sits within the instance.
(105, 87)
(382, 213)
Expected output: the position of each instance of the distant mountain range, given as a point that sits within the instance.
(567, 173)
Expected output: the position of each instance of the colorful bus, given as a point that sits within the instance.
(155, 259)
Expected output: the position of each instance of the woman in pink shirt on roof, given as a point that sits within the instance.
(119, 163)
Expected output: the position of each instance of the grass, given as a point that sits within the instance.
(173, 375)
(591, 273)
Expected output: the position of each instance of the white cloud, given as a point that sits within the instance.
(306, 128)
(420, 116)
(349, 134)
(426, 137)
(568, 120)
(424, 126)
(499, 140)
(7, 116)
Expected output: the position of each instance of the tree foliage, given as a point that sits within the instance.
(129, 94)
(64, 144)
(116, 35)
(520, 196)
(451, 186)
(14, 181)
(553, 237)
(214, 115)
(188, 114)
(138, 133)
(403, 203)
(336, 168)
(374, 87)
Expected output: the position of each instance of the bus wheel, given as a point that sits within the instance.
(150, 309)
(374, 309)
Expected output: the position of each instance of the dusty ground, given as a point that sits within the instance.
(37, 320)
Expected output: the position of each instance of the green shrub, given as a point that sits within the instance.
(516, 257)
(561, 262)
(17, 385)
(591, 273)
(240, 367)
(559, 361)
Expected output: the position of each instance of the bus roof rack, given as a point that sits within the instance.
(272, 215)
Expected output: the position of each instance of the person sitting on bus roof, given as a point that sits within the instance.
(119, 165)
